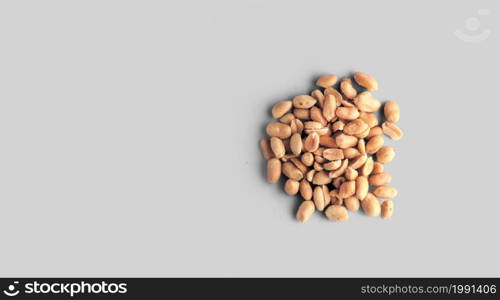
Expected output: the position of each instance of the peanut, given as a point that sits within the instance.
(385, 154)
(306, 209)
(296, 143)
(374, 144)
(347, 113)
(366, 81)
(278, 147)
(351, 203)
(326, 81)
(337, 213)
(292, 187)
(391, 111)
(319, 198)
(347, 89)
(387, 192)
(387, 209)
(265, 148)
(380, 179)
(273, 170)
(370, 205)
(311, 143)
(347, 189)
(392, 130)
(279, 130)
(303, 101)
(305, 190)
(346, 141)
(281, 108)
(292, 171)
(366, 102)
(361, 187)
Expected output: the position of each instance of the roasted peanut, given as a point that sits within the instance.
(337, 213)
(303, 101)
(273, 170)
(371, 206)
(326, 81)
(278, 147)
(366, 102)
(292, 187)
(347, 89)
(392, 130)
(387, 209)
(279, 130)
(380, 179)
(281, 108)
(306, 209)
(385, 154)
(391, 111)
(386, 192)
(366, 81)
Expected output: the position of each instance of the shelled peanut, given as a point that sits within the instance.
(329, 146)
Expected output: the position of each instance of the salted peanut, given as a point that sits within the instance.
(327, 141)
(385, 154)
(296, 162)
(347, 189)
(312, 125)
(273, 170)
(366, 81)
(346, 141)
(392, 130)
(335, 93)
(306, 209)
(311, 143)
(338, 126)
(281, 108)
(362, 146)
(340, 170)
(307, 158)
(291, 187)
(319, 198)
(303, 101)
(355, 127)
(362, 187)
(278, 147)
(380, 179)
(317, 166)
(318, 95)
(387, 209)
(280, 130)
(347, 113)
(337, 213)
(296, 143)
(296, 126)
(320, 132)
(370, 205)
(321, 178)
(326, 81)
(333, 154)
(363, 134)
(391, 111)
(351, 153)
(310, 175)
(351, 203)
(265, 148)
(369, 118)
(337, 182)
(374, 144)
(317, 115)
(387, 192)
(319, 159)
(333, 165)
(350, 173)
(329, 107)
(326, 194)
(347, 89)
(301, 113)
(291, 171)
(305, 190)
(378, 168)
(374, 131)
(367, 168)
(287, 118)
(358, 161)
(366, 102)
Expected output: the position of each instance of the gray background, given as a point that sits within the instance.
(129, 137)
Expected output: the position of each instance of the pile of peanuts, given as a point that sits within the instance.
(330, 147)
